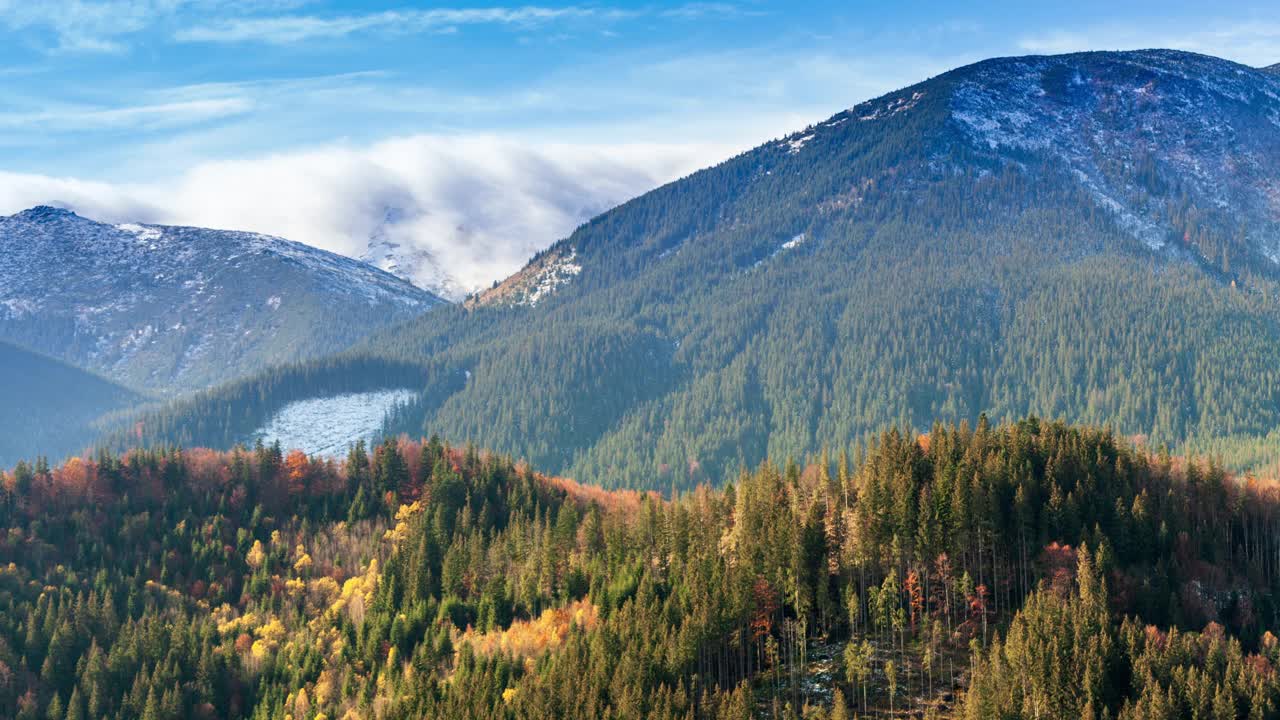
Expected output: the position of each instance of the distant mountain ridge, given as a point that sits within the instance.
(178, 308)
(1091, 236)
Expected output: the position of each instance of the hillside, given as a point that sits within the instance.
(49, 406)
(179, 308)
(972, 573)
(1091, 236)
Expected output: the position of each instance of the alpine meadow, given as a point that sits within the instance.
(377, 361)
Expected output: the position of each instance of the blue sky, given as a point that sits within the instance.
(310, 118)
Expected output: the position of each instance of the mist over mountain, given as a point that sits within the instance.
(1090, 236)
(171, 308)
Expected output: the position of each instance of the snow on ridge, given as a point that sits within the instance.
(193, 287)
(893, 107)
(552, 277)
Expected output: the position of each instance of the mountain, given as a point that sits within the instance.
(173, 308)
(1091, 236)
(1273, 69)
(49, 406)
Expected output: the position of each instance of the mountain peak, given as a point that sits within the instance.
(45, 213)
(1273, 69)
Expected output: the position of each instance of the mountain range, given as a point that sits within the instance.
(1092, 236)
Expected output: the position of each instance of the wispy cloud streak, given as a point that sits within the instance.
(288, 29)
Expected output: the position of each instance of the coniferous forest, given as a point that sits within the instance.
(1032, 569)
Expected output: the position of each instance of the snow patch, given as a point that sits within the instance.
(329, 426)
(141, 232)
(798, 144)
(893, 107)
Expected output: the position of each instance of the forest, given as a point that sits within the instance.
(1022, 569)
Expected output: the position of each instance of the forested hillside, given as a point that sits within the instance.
(1088, 236)
(423, 580)
(50, 405)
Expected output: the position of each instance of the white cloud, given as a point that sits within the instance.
(98, 26)
(480, 204)
(294, 28)
(138, 117)
(83, 26)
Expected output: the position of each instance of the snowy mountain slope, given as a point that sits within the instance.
(177, 307)
(1131, 127)
(1273, 69)
(1182, 150)
(541, 278)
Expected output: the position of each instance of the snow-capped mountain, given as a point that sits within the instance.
(1183, 150)
(160, 307)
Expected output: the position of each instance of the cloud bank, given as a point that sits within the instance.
(480, 205)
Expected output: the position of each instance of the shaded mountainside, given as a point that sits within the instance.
(49, 405)
(1089, 236)
(178, 308)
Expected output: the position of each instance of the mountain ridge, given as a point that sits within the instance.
(174, 307)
